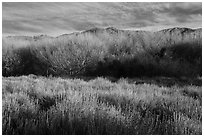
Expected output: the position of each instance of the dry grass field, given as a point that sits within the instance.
(39, 105)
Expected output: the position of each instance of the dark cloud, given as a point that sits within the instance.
(185, 9)
(182, 12)
(55, 18)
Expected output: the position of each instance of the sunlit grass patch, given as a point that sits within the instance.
(39, 105)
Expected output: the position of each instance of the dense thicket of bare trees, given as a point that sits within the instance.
(110, 52)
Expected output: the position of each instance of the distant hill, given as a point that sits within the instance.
(172, 35)
(29, 38)
(180, 35)
(169, 36)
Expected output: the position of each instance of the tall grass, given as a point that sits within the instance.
(39, 105)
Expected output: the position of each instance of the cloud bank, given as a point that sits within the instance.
(59, 18)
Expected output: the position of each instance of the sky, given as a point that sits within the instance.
(61, 18)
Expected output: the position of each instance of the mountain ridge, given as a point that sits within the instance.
(113, 29)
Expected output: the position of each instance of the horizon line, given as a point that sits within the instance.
(80, 31)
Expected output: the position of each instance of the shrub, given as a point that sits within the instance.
(102, 53)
